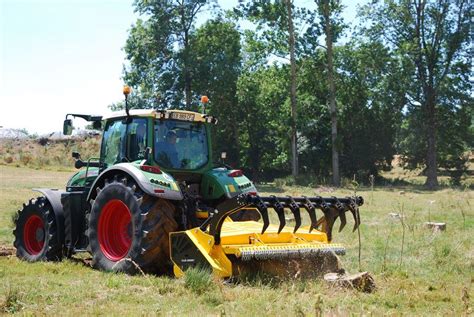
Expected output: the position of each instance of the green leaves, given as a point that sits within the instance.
(430, 40)
(159, 53)
(386, 76)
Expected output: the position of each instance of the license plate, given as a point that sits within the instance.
(182, 116)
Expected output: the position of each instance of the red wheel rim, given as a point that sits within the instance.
(34, 235)
(114, 231)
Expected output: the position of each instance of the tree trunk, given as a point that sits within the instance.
(186, 74)
(291, 41)
(431, 155)
(332, 96)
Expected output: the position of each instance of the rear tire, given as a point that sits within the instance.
(129, 230)
(35, 232)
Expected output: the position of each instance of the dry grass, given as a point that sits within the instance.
(43, 153)
(435, 276)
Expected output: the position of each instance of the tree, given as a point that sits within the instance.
(263, 138)
(431, 39)
(315, 124)
(275, 21)
(328, 9)
(291, 44)
(371, 98)
(158, 49)
(217, 64)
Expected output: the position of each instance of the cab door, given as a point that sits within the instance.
(124, 141)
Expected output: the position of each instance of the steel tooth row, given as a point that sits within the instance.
(252, 254)
(332, 208)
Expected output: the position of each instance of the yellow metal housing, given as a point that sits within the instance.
(241, 241)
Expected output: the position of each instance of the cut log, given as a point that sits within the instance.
(436, 226)
(6, 250)
(363, 282)
(394, 215)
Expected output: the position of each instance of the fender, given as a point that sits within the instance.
(54, 198)
(222, 182)
(142, 181)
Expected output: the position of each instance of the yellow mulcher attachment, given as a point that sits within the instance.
(230, 248)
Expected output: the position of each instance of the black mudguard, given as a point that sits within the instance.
(54, 198)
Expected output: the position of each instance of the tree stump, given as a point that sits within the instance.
(436, 226)
(363, 282)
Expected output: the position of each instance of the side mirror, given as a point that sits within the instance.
(79, 163)
(67, 127)
(96, 125)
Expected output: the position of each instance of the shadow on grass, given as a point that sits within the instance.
(256, 279)
(383, 183)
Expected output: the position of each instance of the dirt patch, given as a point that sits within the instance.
(86, 262)
(7, 250)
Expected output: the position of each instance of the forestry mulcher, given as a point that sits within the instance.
(156, 201)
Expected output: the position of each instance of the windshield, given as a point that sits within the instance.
(180, 144)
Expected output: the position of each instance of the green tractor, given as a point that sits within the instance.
(155, 200)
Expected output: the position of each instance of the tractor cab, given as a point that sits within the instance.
(169, 152)
(174, 140)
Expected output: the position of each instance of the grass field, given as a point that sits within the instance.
(417, 272)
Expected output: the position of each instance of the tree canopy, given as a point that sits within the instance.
(398, 84)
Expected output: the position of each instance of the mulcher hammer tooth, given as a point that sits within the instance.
(341, 212)
(330, 215)
(342, 215)
(312, 213)
(355, 212)
(263, 210)
(296, 212)
(280, 210)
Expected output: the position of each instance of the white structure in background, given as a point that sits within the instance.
(76, 133)
(6, 133)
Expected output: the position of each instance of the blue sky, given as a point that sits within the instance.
(60, 56)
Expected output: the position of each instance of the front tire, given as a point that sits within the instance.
(129, 230)
(35, 232)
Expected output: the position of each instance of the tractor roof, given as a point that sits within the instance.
(165, 114)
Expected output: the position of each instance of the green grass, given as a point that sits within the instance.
(428, 278)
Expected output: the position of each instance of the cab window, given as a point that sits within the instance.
(180, 144)
(124, 142)
(136, 139)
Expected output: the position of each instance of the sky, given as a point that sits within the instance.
(66, 56)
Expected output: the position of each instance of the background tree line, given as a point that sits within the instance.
(300, 92)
